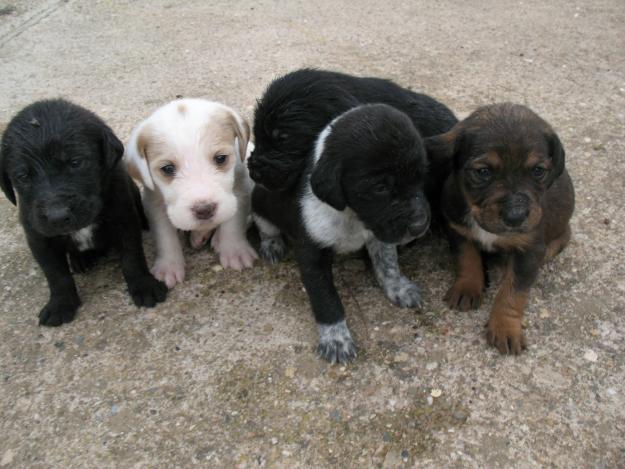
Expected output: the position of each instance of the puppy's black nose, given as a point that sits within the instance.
(204, 211)
(58, 215)
(419, 225)
(515, 210)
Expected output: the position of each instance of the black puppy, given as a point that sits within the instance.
(297, 106)
(74, 200)
(362, 186)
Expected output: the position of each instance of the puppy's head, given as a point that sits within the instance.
(504, 157)
(188, 151)
(292, 112)
(58, 157)
(371, 159)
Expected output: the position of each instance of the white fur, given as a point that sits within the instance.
(84, 238)
(329, 227)
(197, 181)
(485, 238)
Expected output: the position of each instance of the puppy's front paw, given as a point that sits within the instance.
(506, 334)
(404, 293)
(335, 343)
(82, 261)
(147, 291)
(464, 295)
(236, 254)
(58, 311)
(272, 249)
(199, 238)
(168, 271)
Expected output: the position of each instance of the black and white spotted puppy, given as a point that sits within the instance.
(362, 186)
(75, 201)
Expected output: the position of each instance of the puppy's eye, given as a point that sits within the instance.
(75, 163)
(380, 189)
(22, 177)
(220, 160)
(538, 172)
(483, 174)
(168, 170)
(276, 134)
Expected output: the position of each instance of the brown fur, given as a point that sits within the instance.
(466, 292)
(504, 328)
(511, 142)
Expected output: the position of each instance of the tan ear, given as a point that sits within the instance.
(136, 156)
(242, 132)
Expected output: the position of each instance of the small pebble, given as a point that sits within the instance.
(431, 366)
(430, 400)
(217, 268)
(591, 355)
(543, 314)
(289, 372)
(274, 441)
(401, 357)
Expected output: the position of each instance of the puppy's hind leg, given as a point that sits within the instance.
(272, 247)
(396, 286)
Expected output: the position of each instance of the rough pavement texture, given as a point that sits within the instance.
(224, 373)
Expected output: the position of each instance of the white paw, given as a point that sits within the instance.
(168, 271)
(236, 254)
(404, 293)
(335, 343)
(199, 238)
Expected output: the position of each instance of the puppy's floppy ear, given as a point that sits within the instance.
(112, 148)
(136, 156)
(242, 132)
(444, 150)
(325, 182)
(556, 152)
(5, 180)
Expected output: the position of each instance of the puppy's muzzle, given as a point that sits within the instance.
(515, 209)
(57, 216)
(420, 220)
(204, 211)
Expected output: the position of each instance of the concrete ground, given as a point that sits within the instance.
(223, 374)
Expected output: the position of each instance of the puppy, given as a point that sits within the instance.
(297, 106)
(362, 186)
(190, 156)
(508, 193)
(74, 201)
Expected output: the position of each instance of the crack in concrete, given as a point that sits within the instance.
(33, 20)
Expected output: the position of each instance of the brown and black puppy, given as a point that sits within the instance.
(507, 193)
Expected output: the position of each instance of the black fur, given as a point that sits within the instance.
(62, 161)
(373, 164)
(297, 106)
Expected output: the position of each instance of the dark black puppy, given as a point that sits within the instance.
(74, 200)
(362, 186)
(296, 107)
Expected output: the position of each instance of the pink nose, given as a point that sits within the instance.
(204, 211)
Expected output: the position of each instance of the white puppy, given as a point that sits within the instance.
(190, 156)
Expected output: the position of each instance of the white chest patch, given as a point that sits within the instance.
(342, 231)
(84, 238)
(485, 238)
